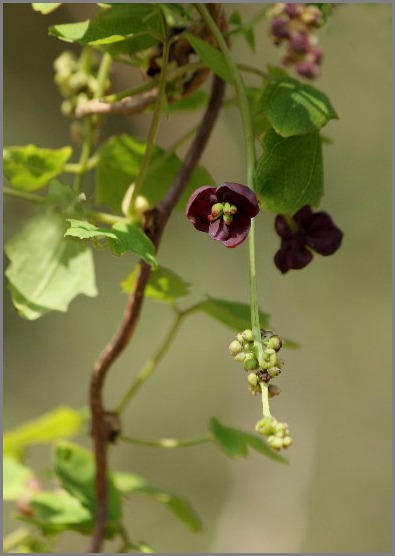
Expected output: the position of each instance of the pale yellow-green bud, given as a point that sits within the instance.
(248, 335)
(235, 347)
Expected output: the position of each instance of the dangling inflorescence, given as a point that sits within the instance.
(260, 360)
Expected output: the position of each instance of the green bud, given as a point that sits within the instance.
(251, 363)
(248, 335)
(240, 337)
(227, 209)
(275, 343)
(240, 357)
(287, 441)
(233, 209)
(235, 347)
(275, 443)
(265, 426)
(253, 379)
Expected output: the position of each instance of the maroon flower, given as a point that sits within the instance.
(224, 212)
(303, 233)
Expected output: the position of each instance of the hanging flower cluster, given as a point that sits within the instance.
(302, 235)
(224, 212)
(260, 360)
(293, 24)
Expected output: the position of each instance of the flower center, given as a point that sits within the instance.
(226, 210)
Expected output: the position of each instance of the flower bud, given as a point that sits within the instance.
(287, 441)
(251, 363)
(235, 347)
(253, 379)
(275, 442)
(265, 426)
(273, 371)
(248, 335)
(274, 343)
(240, 357)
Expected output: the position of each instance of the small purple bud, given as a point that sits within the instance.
(308, 69)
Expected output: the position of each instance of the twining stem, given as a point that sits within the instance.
(91, 122)
(16, 538)
(24, 196)
(154, 129)
(152, 364)
(167, 442)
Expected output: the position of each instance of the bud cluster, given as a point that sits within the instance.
(259, 358)
(74, 79)
(293, 24)
(277, 433)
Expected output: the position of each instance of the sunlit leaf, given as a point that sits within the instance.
(30, 168)
(47, 270)
(296, 108)
(15, 477)
(289, 174)
(60, 423)
(122, 237)
(45, 7)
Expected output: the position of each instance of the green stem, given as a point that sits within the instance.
(91, 123)
(251, 162)
(154, 129)
(167, 442)
(265, 399)
(14, 539)
(151, 365)
(24, 195)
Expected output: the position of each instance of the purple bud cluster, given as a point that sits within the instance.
(294, 24)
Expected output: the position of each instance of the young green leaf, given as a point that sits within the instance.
(230, 440)
(30, 168)
(212, 57)
(119, 164)
(60, 510)
(112, 24)
(296, 108)
(122, 237)
(76, 470)
(129, 482)
(45, 7)
(60, 423)
(235, 443)
(163, 285)
(230, 313)
(47, 270)
(15, 477)
(289, 175)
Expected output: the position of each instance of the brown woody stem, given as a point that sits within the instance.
(159, 216)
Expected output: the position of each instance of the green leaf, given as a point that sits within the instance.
(122, 237)
(45, 7)
(230, 313)
(15, 477)
(129, 482)
(30, 168)
(260, 121)
(289, 175)
(46, 270)
(59, 508)
(212, 57)
(163, 285)
(112, 25)
(235, 443)
(76, 470)
(296, 108)
(119, 163)
(59, 423)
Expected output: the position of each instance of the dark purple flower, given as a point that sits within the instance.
(303, 233)
(224, 212)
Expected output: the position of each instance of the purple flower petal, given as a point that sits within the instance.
(282, 228)
(238, 231)
(240, 195)
(199, 207)
(322, 235)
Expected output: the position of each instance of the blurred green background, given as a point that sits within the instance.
(335, 494)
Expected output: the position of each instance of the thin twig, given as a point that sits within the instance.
(100, 433)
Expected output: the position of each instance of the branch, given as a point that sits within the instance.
(102, 432)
